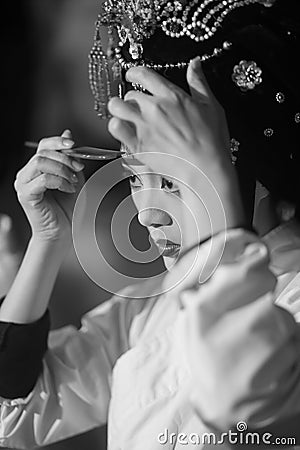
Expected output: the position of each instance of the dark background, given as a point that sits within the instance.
(44, 90)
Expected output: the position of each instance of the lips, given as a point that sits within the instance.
(167, 248)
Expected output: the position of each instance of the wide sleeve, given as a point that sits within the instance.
(243, 350)
(72, 393)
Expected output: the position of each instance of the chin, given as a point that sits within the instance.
(170, 261)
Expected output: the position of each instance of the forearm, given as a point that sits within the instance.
(215, 204)
(29, 295)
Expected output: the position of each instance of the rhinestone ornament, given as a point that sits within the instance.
(280, 97)
(197, 20)
(267, 3)
(234, 148)
(247, 75)
(269, 132)
(177, 65)
(133, 21)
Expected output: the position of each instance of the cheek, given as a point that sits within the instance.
(175, 209)
(135, 199)
(180, 214)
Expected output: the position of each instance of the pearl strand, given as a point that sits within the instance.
(199, 30)
(178, 65)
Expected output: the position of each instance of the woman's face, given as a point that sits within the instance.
(159, 205)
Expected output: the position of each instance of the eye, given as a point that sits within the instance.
(169, 185)
(134, 181)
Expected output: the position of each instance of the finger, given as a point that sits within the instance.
(67, 134)
(143, 101)
(76, 162)
(41, 164)
(124, 132)
(151, 81)
(197, 82)
(125, 110)
(55, 143)
(70, 162)
(44, 182)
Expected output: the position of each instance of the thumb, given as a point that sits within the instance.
(199, 87)
(67, 134)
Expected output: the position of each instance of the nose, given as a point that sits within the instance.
(154, 217)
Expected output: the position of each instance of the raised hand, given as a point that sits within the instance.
(184, 137)
(171, 121)
(47, 187)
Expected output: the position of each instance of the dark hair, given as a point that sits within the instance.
(264, 120)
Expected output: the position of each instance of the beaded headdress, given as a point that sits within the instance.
(248, 49)
(131, 22)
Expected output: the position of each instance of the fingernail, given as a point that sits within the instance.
(196, 62)
(67, 131)
(68, 142)
(130, 72)
(74, 178)
(77, 165)
(127, 75)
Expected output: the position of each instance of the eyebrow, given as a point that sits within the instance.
(128, 168)
(132, 161)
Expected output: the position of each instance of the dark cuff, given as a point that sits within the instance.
(22, 348)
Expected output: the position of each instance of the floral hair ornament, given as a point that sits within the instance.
(130, 22)
(249, 50)
(246, 75)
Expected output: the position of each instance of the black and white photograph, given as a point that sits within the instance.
(150, 225)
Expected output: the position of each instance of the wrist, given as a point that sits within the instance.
(223, 177)
(215, 201)
(233, 205)
(52, 247)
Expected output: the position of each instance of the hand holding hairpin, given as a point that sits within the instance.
(48, 185)
(85, 152)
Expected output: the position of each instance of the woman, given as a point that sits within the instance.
(139, 375)
(136, 341)
(256, 386)
(249, 65)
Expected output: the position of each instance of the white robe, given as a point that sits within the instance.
(129, 366)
